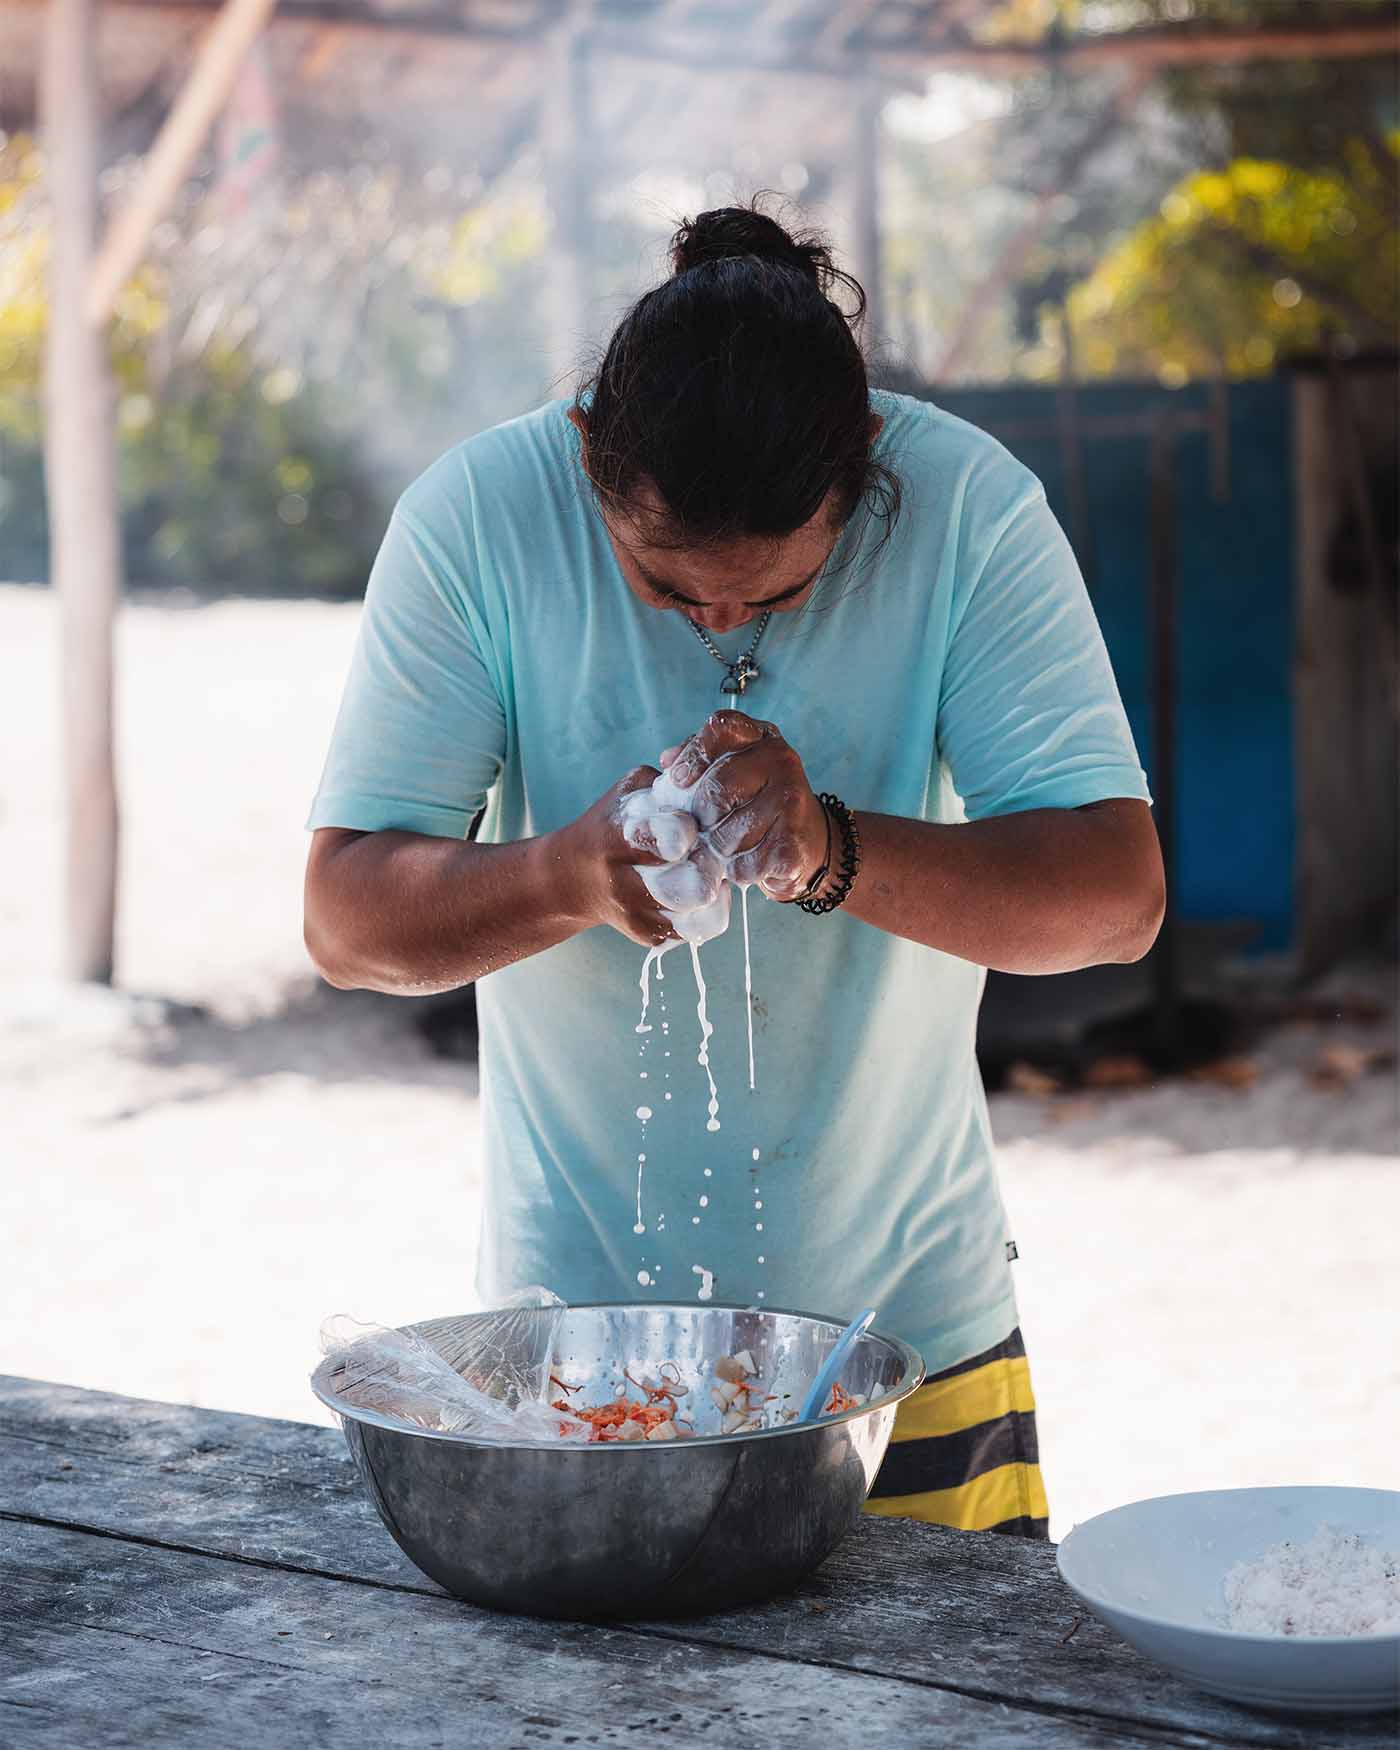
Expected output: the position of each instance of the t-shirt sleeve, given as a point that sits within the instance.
(1030, 715)
(421, 733)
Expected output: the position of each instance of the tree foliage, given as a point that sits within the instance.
(1243, 266)
(1242, 213)
(280, 366)
(286, 360)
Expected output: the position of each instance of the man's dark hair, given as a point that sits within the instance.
(737, 390)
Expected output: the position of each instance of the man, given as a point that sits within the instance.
(885, 593)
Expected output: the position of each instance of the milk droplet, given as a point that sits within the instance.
(642, 1074)
(762, 1259)
(748, 977)
(762, 1295)
(707, 1280)
(758, 1227)
(644, 1112)
(644, 1278)
(757, 1205)
(709, 1172)
(704, 1203)
(653, 959)
(695, 1221)
(668, 1096)
(705, 1031)
(755, 1154)
(641, 1157)
(639, 1227)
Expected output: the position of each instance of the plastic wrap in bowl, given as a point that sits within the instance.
(646, 1528)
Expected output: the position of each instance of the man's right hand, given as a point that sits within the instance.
(410, 913)
(599, 866)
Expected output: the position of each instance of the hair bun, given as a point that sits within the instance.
(730, 233)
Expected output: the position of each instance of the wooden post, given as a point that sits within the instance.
(566, 138)
(865, 214)
(1162, 583)
(80, 475)
(1344, 742)
(79, 439)
(1081, 522)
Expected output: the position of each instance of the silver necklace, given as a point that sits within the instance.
(743, 669)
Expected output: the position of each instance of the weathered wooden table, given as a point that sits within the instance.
(173, 1576)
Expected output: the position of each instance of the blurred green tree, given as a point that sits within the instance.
(1180, 241)
(282, 368)
(1245, 265)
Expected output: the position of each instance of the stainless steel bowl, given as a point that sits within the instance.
(646, 1528)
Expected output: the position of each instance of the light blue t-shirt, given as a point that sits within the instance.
(955, 672)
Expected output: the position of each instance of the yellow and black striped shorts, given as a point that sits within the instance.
(964, 1450)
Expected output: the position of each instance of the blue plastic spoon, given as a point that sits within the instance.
(831, 1369)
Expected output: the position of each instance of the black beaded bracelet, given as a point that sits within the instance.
(817, 903)
(823, 869)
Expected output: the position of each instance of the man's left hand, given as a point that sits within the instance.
(754, 802)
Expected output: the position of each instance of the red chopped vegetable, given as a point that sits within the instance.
(607, 1419)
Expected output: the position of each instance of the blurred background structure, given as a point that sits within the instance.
(265, 262)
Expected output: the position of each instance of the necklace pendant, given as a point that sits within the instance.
(743, 669)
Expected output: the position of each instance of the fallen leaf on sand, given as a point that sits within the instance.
(1227, 1072)
(1025, 1078)
(1075, 1106)
(1128, 1071)
(1338, 1066)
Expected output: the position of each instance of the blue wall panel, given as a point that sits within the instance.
(1234, 755)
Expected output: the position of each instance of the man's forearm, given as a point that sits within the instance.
(408, 914)
(1045, 891)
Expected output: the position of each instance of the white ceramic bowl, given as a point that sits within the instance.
(1155, 1572)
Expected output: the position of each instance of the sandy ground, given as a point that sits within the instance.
(1208, 1278)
